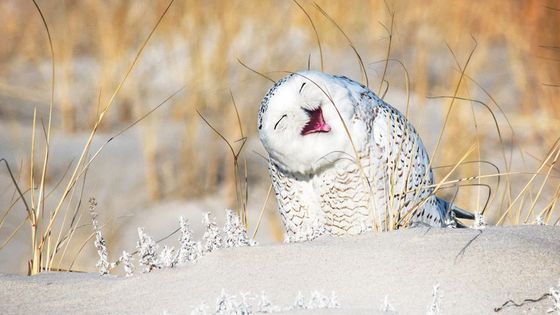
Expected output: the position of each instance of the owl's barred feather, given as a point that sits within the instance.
(342, 161)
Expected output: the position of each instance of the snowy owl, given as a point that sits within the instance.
(342, 161)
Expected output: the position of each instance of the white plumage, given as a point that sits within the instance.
(342, 160)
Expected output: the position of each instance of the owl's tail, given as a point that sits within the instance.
(452, 213)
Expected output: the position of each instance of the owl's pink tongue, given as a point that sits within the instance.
(316, 123)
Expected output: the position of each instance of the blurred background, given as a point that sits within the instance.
(172, 163)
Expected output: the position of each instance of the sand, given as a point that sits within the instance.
(477, 270)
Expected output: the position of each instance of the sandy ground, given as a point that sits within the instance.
(476, 270)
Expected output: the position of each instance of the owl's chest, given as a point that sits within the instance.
(344, 197)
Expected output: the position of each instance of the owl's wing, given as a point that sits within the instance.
(399, 163)
(406, 156)
(298, 205)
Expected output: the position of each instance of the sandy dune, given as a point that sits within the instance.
(476, 271)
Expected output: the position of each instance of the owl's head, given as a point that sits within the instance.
(299, 125)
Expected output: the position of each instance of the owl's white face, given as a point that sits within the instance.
(300, 127)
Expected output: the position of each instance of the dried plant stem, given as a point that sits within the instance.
(545, 180)
(240, 196)
(360, 61)
(261, 213)
(556, 146)
(42, 253)
(314, 31)
(390, 33)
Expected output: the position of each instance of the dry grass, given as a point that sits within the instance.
(501, 110)
(46, 247)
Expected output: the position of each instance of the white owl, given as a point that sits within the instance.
(343, 161)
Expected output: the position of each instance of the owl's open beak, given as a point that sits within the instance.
(316, 122)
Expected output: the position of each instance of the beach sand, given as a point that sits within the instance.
(476, 270)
